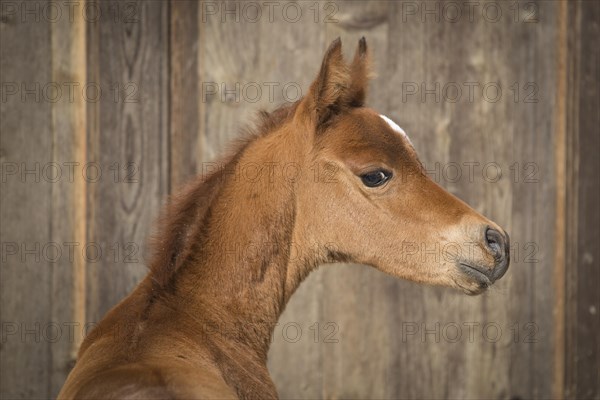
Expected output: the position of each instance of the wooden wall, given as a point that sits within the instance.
(350, 331)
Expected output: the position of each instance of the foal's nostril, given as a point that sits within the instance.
(495, 242)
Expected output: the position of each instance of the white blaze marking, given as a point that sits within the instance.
(395, 127)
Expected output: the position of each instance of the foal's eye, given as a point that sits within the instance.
(376, 178)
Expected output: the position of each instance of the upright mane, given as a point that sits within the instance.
(185, 217)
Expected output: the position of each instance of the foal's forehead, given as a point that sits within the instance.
(395, 127)
(378, 126)
(365, 134)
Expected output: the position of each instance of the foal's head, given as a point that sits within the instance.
(368, 199)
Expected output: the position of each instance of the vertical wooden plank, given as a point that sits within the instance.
(582, 352)
(534, 199)
(68, 223)
(435, 129)
(588, 280)
(430, 123)
(561, 223)
(185, 96)
(127, 143)
(430, 50)
(25, 202)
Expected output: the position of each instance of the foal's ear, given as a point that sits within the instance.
(327, 92)
(338, 86)
(360, 71)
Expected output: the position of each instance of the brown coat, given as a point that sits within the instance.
(323, 180)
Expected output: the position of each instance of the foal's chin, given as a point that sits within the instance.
(472, 288)
(470, 280)
(462, 277)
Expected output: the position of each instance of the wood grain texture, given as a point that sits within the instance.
(185, 97)
(560, 224)
(26, 286)
(582, 347)
(127, 133)
(445, 132)
(532, 357)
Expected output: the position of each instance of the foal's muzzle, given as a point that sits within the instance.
(497, 244)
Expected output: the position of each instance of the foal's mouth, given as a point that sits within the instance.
(475, 279)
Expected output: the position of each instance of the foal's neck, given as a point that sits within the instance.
(241, 271)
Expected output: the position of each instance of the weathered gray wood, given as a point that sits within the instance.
(582, 352)
(185, 99)
(26, 287)
(483, 131)
(534, 141)
(128, 132)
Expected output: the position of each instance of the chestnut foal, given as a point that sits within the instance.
(331, 181)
